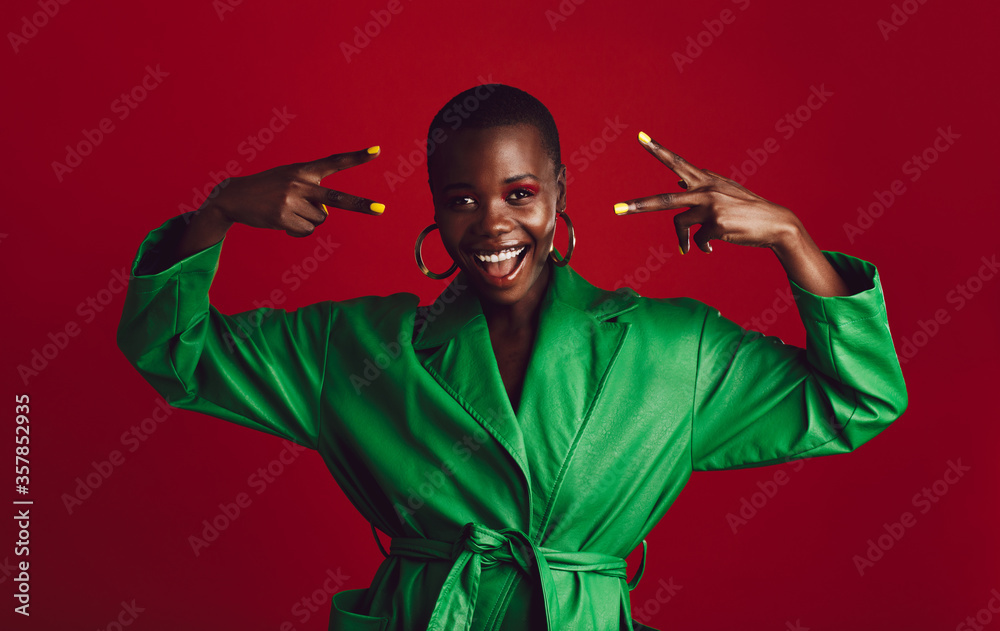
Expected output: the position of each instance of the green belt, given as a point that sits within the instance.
(478, 547)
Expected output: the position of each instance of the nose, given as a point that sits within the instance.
(495, 217)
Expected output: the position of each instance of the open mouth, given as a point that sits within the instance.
(500, 266)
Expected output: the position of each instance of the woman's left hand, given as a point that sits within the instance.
(724, 209)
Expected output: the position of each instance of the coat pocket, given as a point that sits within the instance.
(343, 617)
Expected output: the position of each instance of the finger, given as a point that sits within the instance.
(316, 170)
(298, 226)
(683, 222)
(721, 177)
(734, 183)
(706, 233)
(311, 212)
(687, 171)
(664, 201)
(320, 195)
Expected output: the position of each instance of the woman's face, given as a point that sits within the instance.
(496, 194)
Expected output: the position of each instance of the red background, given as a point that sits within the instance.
(63, 242)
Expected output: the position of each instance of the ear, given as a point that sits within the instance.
(561, 183)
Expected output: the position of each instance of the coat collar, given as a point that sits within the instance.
(575, 347)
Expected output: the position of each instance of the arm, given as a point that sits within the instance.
(262, 368)
(758, 401)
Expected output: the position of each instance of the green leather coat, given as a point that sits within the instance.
(504, 521)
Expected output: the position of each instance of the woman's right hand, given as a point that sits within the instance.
(287, 198)
(290, 197)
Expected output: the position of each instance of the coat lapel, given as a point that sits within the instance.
(575, 347)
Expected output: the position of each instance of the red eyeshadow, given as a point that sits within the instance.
(531, 187)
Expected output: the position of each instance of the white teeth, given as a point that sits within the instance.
(502, 255)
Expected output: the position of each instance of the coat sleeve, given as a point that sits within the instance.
(759, 401)
(262, 368)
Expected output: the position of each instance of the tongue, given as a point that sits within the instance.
(501, 269)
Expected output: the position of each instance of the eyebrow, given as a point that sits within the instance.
(512, 178)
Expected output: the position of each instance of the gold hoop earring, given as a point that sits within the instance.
(420, 261)
(559, 260)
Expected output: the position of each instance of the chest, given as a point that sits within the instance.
(513, 354)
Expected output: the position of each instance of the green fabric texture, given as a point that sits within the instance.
(502, 520)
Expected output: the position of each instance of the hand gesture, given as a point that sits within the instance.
(290, 197)
(724, 209)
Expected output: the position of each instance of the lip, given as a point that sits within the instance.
(505, 281)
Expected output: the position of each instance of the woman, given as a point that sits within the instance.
(520, 435)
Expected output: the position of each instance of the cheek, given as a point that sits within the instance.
(450, 233)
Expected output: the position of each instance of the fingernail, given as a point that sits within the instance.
(377, 207)
(644, 138)
(681, 250)
(374, 149)
(325, 209)
(621, 208)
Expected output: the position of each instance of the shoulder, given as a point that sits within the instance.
(378, 316)
(647, 317)
(674, 310)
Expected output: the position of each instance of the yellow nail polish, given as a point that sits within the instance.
(644, 137)
(374, 149)
(621, 208)
(325, 209)
(377, 207)
(681, 250)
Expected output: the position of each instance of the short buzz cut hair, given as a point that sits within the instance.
(493, 105)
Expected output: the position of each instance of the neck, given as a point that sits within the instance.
(521, 314)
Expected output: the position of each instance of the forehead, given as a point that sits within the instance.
(493, 153)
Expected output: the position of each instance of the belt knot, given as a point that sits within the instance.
(494, 546)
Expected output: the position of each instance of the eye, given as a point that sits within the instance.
(461, 201)
(520, 193)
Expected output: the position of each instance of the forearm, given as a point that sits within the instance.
(805, 264)
(207, 227)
